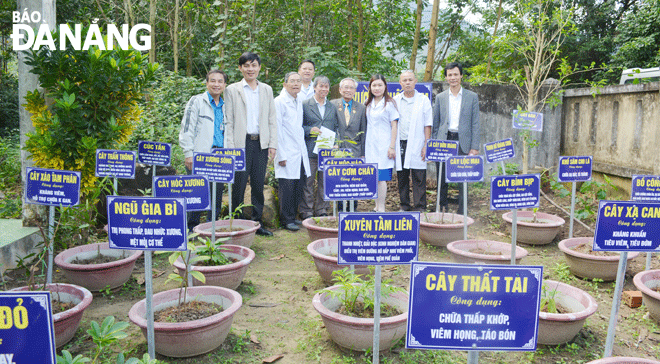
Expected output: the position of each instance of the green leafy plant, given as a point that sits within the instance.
(90, 101)
(210, 252)
(188, 259)
(104, 335)
(548, 303)
(238, 211)
(355, 292)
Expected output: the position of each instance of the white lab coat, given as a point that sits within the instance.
(421, 117)
(379, 134)
(291, 137)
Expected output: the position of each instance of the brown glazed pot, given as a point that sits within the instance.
(316, 232)
(647, 282)
(588, 265)
(229, 275)
(324, 252)
(558, 328)
(460, 252)
(441, 234)
(535, 233)
(243, 237)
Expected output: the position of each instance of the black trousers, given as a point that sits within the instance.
(290, 195)
(443, 185)
(195, 216)
(255, 169)
(418, 184)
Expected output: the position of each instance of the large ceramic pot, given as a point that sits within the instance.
(483, 251)
(96, 277)
(585, 265)
(535, 233)
(185, 339)
(433, 232)
(324, 252)
(558, 328)
(316, 232)
(66, 323)
(623, 360)
(243, 237)
(647, 282)
(357, 333)
(228, 275)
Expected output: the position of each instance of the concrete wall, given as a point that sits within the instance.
(619, 126)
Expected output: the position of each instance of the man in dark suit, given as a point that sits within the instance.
(251, 123)
(317, 112)
(352, 117)
(456, 117)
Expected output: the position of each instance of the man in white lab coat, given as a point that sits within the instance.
(291, 162)
(415, 124)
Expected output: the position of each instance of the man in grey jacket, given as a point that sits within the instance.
(202, 128)
(456, 117)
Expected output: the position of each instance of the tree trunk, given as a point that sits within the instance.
(225, 21)
(152, 23)
(360, 55)
(497, 22)
(175, 37)
(351, 63)
(418, 28)
(189, 50)
(433, 31)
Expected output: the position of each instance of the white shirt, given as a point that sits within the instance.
(290, 137)
(306, 92)
(252, 107)
(455, 109)
(419, 116)
(379, 134)
(405, 110)
(321, 106)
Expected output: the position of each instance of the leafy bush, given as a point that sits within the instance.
(10, 160)
(164, 108)
(94, 105)
(8, 101)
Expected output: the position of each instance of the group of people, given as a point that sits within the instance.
(390, 132)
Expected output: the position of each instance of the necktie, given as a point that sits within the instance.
(347, 114)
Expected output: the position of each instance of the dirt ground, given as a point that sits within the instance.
(277, 318)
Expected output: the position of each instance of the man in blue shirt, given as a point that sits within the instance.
(202, 129)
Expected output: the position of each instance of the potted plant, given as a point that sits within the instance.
(323, 227)
(221, 265)
(240, 232)
(69, 301)
(96, 266)
(623, 360)
(441, 228)
(324, 252)
(586, 263)
(355, 297)
(535, 228)
(484, 251)
(175, 333)
(564, 310)
(648, 282)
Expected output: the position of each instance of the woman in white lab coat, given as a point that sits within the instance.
(381, 143)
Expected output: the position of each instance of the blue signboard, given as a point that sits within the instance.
(154, 153)
(238, 153)
(115, 163)
(147, 223)
(342, 161)
(464, 169)
(26, 327)
(440, 150)
(378, 238)
(350, 182)
(574, 168)
(324, 154)
(473, 307)
(627, 226)
(527, 120)
(514, 192)
(194, 188)
(499, 150)
(52, 187)
(393, 89)
(217, 167)
(645, 188)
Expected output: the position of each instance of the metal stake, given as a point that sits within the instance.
(616, 302)
(376, 345)
(465, 211)
(51, 233)
(473, 357)
(213, 214)
(514, 228)
(437, 200)
(570, 229)
(148, 275)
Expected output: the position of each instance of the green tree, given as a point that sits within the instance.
(638, 38)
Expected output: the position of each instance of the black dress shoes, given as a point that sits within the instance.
(297, 222)
(292, 227)
(263, 232)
